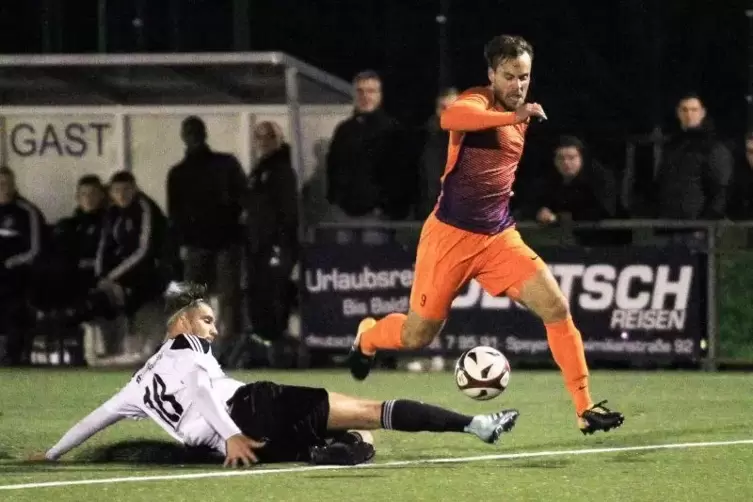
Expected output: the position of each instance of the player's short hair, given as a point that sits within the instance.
(123, 177)
(503, 47)
(749, 136)
(366, 75)
(7, 171)
(568, 141)
(89, 180)
(181, 296)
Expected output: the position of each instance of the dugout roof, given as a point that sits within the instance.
(166, 79)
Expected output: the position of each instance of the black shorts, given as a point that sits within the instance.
(292, 419)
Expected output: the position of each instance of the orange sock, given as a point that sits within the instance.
(567, 348)
(385, 335)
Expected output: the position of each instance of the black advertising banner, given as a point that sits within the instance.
(629, 303)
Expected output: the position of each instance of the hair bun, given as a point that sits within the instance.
(179, 295)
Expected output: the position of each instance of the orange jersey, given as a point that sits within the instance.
(486, 145)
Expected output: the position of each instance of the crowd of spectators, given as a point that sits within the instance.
(699, 176)
(109, 262)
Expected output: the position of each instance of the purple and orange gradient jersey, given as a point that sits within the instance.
(486, 145)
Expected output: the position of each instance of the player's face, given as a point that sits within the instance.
(568, 161)
(749, 152)
(7, 188)
(89, 198)
(368, 95)
(122, 194)
(690, 113)
(202, 322)
(510, 81)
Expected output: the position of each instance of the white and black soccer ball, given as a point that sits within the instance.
(482, 373)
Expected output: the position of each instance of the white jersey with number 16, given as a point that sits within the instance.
(181, 387)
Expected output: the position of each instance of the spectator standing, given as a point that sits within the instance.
(368, 173)
(272, 233)
(695, 169)
(205, 194)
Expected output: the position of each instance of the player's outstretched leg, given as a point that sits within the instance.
(542, 295)
(412, 416)
(393, 332)
(442, 267)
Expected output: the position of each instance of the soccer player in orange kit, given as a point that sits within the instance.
(471, 234)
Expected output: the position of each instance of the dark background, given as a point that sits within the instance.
(602, 70)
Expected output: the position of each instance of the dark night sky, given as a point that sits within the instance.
(601, 68)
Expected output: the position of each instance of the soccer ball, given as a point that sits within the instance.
(482, 373)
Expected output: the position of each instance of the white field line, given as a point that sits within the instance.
(401, 463)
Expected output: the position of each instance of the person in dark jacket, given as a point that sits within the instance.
(21, 241)
(272, 240)
(130, 251)
(695, 170)
(66, 274)
(368, 168)
(205, 194)
(433, 157)
(79, 236)
(130, 259)
(581, 189)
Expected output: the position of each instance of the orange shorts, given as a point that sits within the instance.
(449, 257)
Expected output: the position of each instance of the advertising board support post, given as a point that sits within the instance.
(293, 97)
(711, 299)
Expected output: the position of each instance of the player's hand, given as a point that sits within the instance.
(545, 216)
(530, 110)
(240, 450)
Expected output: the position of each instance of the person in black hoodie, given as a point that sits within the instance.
(205, 194)
(368, 168)
(272, 238)
(695, 169)
(581, 189)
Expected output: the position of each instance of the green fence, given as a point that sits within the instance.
(735, 296)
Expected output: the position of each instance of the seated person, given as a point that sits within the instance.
(67, 274)
(22, 231)
(581, 190)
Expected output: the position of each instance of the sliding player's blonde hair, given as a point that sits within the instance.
(181, 297)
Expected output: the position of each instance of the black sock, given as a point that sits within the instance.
(412, 416)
